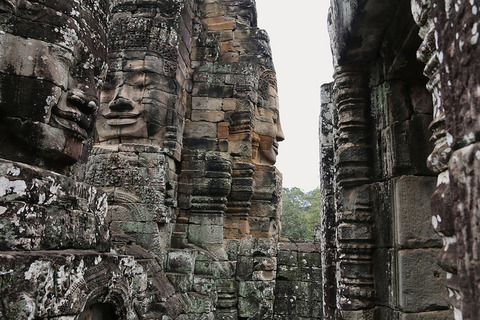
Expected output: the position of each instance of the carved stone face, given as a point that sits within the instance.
(50, 70)
(134, 102)
(268, 130)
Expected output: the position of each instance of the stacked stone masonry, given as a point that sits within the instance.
(137, 181)
(138, 142)
(398, 130)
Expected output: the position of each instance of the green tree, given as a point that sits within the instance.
(301, 211)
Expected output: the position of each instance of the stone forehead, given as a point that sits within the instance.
(73, 9)
(166, 8)
(59, 22)
(135, 60)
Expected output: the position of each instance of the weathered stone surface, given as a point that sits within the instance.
(413, 213)
(49, 89)
(42, 210)
(419, 266)
(375, 151)
(435, 315)
(177, 215)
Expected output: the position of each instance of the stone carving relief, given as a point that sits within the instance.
(115, 245)
(132, 160)
(354, 214)
(140, 88)
(442, 216)
(267, 128)
(50, 71)
(53, 55)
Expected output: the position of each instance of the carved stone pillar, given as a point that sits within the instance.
(442, 215)
(327, 185)
(210, 182)
(239, 201)
(264, 216)
(354, 218)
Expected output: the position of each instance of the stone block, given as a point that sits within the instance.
(220, 91)
(240, 147)
(285, 306)
(223, 131)
(236, 228)
(221, 314)
(204, 285)
(383, 226)
(288, 258)
(288, 273)
(284, 288)
(420, 98)
(433, 315)
(200, 129)
(180, 281)
(408, 146)
(218, 23)
(311, 259)
(260, 225)
(206, 219)
(264, 264)
(313, 274)
(209, 116)
(258, 248)
(357, 231)
(244, 268)
(357, 314)
(255, 299)
(384, 276)
(263, 275)
(304, 309)
(229, 104)
(205, 234)
(412, 213)
(420, 286)
(181, 261)
(201, 103)
(263, 209)
(197, 303)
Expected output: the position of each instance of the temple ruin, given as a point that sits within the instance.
(138, 141)
(399, 132)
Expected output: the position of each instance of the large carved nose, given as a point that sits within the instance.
(280, 136)
(121, 101)
(121, 104)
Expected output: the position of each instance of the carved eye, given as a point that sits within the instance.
(135, 79)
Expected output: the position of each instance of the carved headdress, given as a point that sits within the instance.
(145, 25)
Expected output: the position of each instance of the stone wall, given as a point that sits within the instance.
(171, 207)
(387, 177)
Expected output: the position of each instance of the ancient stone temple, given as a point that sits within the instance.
(138, 143)
(399, 160)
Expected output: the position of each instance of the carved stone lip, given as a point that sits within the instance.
(76, 123)
(275, 147)
(121, 118)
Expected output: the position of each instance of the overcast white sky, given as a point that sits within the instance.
(302, 57)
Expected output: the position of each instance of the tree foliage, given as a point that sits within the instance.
(301, 212)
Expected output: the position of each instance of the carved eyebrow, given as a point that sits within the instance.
(136, 78)
(64, 55)
(113, 79)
